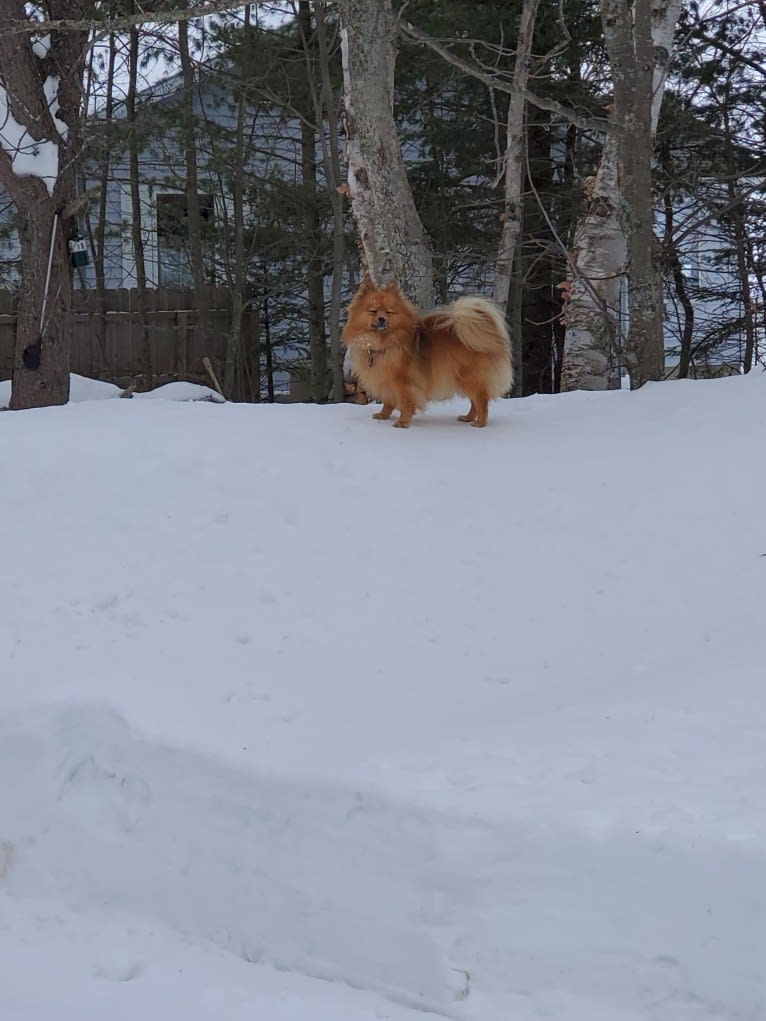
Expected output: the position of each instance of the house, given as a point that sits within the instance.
(270, 150)
(713, 293)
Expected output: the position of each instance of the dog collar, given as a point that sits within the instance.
(371, 352)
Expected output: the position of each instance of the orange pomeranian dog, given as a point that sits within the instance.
(406, 360)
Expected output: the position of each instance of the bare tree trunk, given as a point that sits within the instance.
(135, 206)
(540, 265)
(514, 157)
(331, 161)
(312, 229)
(593, 306)
(743, 271)
(193, 208)
(632, 63)
(234, 381)
(756, 268)
(47, 131)
(740, 235)
(99, 238)
(268, 347)
(674, 261)
(393, 240)
(99, 255)
(616, 232)
(43, 312)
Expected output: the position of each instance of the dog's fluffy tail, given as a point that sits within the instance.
(477, 323)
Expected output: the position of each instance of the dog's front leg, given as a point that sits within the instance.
(385, 412)
(406, 411)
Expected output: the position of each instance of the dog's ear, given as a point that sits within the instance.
(366, 283)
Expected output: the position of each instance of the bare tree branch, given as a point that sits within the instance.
(737, 55)
(25, 26)
(502, 84)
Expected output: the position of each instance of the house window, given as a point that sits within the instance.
(173, 251)
(691, 269)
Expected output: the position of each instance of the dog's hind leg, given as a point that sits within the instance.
(479, 409)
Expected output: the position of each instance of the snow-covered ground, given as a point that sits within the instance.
(463, 720)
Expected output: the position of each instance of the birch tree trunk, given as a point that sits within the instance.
(593, 306)
(40, 113)
(393, 240)
(615, 238)
(514, 157)
(513, 160)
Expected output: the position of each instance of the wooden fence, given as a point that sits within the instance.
(107, 341)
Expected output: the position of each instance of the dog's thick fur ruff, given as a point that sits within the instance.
(407, 360)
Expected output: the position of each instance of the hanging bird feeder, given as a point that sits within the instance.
(78, 251)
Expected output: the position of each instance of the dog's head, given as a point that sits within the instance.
(380, 306)
(381, 311)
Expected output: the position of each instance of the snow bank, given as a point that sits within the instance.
(183, 391)
(83, 389)
(470, 718)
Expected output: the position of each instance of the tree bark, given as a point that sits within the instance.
(393, 240)
(331, 162)
(593, 306)
(632, 63)
(740, 235)
(41, 91)
(99, 235)
(674, 261)
(514, 157)
(615, 237)
(242, 375)
(540, 265)
(136, 216)
(193, 208)
(312, 228)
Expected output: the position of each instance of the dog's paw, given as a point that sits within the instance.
(401, 425)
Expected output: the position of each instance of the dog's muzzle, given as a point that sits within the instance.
(381, 323)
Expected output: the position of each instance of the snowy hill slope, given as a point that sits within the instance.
(473, 719)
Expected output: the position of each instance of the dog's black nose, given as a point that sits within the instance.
(381, 321)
